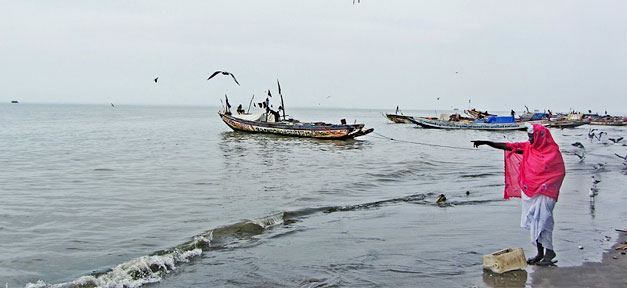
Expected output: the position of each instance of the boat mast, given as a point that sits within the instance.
(282, 104)
(251, 102)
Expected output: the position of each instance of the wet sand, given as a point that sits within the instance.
(610, 272)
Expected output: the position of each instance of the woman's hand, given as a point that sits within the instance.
(477, 143)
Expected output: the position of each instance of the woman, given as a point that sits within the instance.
(534, 171)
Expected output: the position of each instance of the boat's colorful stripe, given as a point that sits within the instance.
(468, 125)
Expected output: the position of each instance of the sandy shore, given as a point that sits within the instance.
(610, 272)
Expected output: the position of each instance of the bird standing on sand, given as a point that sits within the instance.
(223, 73)
(156, 79)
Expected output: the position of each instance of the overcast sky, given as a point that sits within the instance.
(496, 54)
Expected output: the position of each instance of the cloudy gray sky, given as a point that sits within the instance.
(377, 54)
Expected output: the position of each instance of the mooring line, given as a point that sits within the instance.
(420, 143)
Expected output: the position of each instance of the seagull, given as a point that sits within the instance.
(595, 181)
(223, 73)
(581, 156)
(621, 157)
(591, 133)
(578, 144)
(593, 192)
(354, 2)
(616, 140)
(601, 134)
(112, 105)
(156, 79)
(599, 166)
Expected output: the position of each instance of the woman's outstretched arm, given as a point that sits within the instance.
(497, 145)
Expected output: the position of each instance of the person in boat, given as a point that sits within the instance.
(240, 110)
(534, 171)
(513, 113)
(277, 116)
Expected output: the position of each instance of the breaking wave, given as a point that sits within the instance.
(152, 268)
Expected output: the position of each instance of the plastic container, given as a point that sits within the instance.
(505, 260)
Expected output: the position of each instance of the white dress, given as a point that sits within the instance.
(537, 217)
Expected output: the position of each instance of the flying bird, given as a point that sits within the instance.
(223, 73)
(578, 144)
(591, 133)
(601, 134)
(616, 140)
(599, 166)
(354, 2)
(581, 156)
(621, 157)
(156, 79)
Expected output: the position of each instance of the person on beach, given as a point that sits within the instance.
(534, 171)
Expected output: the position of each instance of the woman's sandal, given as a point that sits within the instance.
(534, 260)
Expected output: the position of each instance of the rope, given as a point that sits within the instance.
(420, 143)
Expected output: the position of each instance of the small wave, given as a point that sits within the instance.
(151, 268)
(480, 175)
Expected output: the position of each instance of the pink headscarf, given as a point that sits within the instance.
(539, 170)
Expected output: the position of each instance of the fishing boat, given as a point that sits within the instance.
(397, 118)
(565, 123)
(265, 123)
(468, 125)
(475, 114)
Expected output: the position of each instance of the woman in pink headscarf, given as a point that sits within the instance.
(534, 171)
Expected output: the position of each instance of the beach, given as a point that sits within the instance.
(610, 272)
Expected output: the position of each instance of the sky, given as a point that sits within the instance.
(377, 54)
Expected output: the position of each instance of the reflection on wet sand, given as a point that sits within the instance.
(516, 278)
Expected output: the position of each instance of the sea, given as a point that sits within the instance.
(169, 196)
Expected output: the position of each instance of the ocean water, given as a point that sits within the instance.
(128, 196)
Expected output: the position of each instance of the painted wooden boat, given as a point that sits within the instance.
(469, 125)
(397, 118)
(295, 128)
(565, 123)
(478, 114)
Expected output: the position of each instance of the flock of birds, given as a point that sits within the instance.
(595, 134)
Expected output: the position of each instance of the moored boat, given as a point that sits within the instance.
(469, 125)
(396, 118)
(265, 123)
(565, 123)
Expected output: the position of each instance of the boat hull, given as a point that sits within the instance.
(296, 129)
(398, 118)
(439, 124)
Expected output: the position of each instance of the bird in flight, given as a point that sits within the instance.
(223, 73)
(357, 2)
(156, 79)
(578, 144)
(616, 140)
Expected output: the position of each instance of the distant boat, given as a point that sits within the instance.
(467, 125)
(396, 118)
(566, 123)
(265, 123)
(15, 101)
